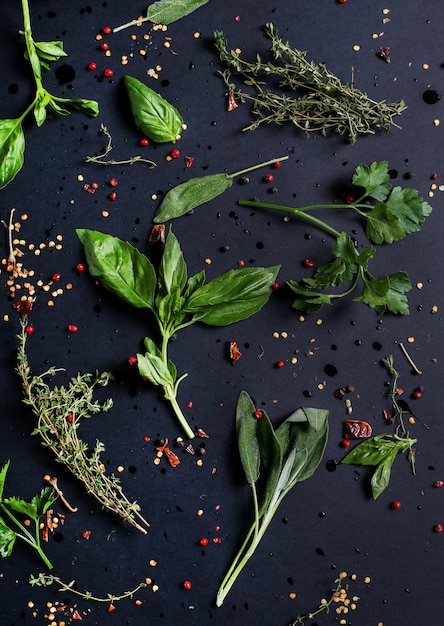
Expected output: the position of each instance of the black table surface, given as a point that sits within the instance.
(327, 524)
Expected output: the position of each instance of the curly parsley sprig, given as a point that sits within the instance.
(390, 214)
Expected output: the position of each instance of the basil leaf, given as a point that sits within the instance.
(152, 367)
(381, 475)
(191, 194)
(169, 308)
(120, 267)
(12, 148)
(232, 296)
(7, 540)
(371, 451)
(167, 11)
(305, 429)
(246, 427)
(3, 473)
(89, 107)
(193, 283)
(50, 50)
(153, 115)
(172, 273)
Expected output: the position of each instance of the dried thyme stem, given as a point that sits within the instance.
(318, 99)
(59, 412)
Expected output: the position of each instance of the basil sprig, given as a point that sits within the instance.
(286, 455)
(154, 116)
(12, 139)
(175, 300)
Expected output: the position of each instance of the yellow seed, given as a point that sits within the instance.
(199, 512)
(166, 44)
(412, 420)
(142, 53)
(323, 601)
(411, 339)
(353, 606)
(342, 575)
(356, 48)
(355, 598)
(294, 360)
(153, 562)
(199, 462)
(50, 303)
(156, 461)
(425, 66)
(120, 468)
(436, 122)
(419, 285)
(148, 581)
(138, 602)
(30, 604)
(292, 595)
(434, 309)
(105, 213)
(155, 588)
(196, 35)
(284, 335)
(319, 322)
(208, 261)
(367, 579)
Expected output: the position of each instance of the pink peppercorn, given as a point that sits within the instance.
(187, 584)
(108, 73)
(438, 528)
(132, 360)
(80, 267)
(280, 364)
(56, 277)
(275, 286)
(269, 178)
(29, 329)
(204, 541)
(113, 182)
(104, 45)
(258, 414)
(106, 30)
(241, 263)
(307, 263)
(438, 484)
(175, 154)
(92, 66)
(396, 504)
(72, 328)
(113, 196)
(144, 141)
(277, 164)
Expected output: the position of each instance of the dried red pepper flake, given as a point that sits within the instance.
(384, 54)
(201, 433)
(111, 608)
(438, 484)
(188, 161)
(76, 616)
(217, 540)
(157, 235)
(241, 263)
(170, 455)
(235, 353)
(86, 534)
(23, 307)
(190, 404)
(231, 102)
(357, 429)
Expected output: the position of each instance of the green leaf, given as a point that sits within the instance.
(153, 115)
(152, 367)
(408, 207)
(3, 473)
(372, 451)
(7, 540)
(271, 457)
(191, 194)
(193, 283)
(232, 296)
(374, 292)
(89, 107)
(381, 476)
(374, 179)
(21, 506)
(246, 428)
(395, 300)
(168, 11)
(308, 301)
(172, 273)
(50, 50)
(120, 267)
(44, 500)
(383, 226)
(12, 148)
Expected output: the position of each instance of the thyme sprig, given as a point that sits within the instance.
(313, 98)
(59, 412)
(338, 596)
(102, 160)
(46, 580)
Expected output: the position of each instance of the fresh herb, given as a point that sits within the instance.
(102, 160)
(12, 138)
(46, 580)
(175, 300)
(32, 510)
(287, 455)
(156, 118)
(59, 412)
(197, 191)
(165, 12)
(381, 451)
(396, 213)
(338, 598)
(320, 101)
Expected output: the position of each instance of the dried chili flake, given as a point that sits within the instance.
(201, 433)
(111, 608)
(232, 104)
(190, 450)
(76, 616)
(357, 429)
(157, 234)
(235, 353)
(384, 54)
(86, 534)
(23, 307)
(170, 455)
(188, 161)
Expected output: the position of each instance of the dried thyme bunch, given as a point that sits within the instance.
(313, 99)
(59, 412)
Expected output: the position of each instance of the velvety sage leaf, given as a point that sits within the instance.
(381, 475)
(271, 457)
(168, 11)
(156, 118)
(120, 267)
(12, 148)
(307, 429)
(191, 194)
(7, 540)
(232, 296)
(3, 473)
(246, 427)
(172, 272)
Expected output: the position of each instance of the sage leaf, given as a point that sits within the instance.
(121, 268)
(12, 148)
(168, 11)
(193, 193)
(232, 296)
(156, 118)
(246, 427)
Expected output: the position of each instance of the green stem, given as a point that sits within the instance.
(256, 167)
(27, 537)
(300, 213)
(131, 23)
(30, 47)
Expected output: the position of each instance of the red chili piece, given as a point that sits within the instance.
(235, 353)
(113, 182)
(258, 414)
(187, 584)
(204, 541)
(92, 66)
(438, 528)
(356, 429)
(175, 154)
(113, 196)
(438, 484)
(108, 73)
(269, 178)
(280, 364)
(144, 141)
(72, 328)
(29, 329)
(396, 504)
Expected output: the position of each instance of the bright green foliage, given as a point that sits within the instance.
(274, 461)
(175, 300)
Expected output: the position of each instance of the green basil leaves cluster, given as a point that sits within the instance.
(175, 300)
(274, 461)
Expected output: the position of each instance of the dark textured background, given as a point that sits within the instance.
(329, 523)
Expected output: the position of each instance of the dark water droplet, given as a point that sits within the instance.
(234, 215)
(165, 82)
(320, 551)
(51, 14)
(290, 580)
(334, 346)
(322, 514)
(132, 469)
(330, 370)
(97, 308)
(331, 465)
(191, 65)
(393, 173)
(259, 245)
(58, 537)
(376, 346)
(307, 394)
(284, 520)
(132, 391)
(13, 89)
(65, 74)
(431, 96)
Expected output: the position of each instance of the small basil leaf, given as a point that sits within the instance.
(193, 283)
(89, 107)
(120, 267)
(191, 194)
(153, 115)
(232, 296)
(246, 427)
(152, 368)
(12, 148)
(381, 475)
(50, 50)
(371, 451)
(167, 11)
(168, 308)
(172, 273)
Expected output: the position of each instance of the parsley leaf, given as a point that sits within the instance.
(374, 179)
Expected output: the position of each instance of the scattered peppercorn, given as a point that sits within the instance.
(307, 263)
(29, 329)
(258, 414)
(72, 328)
(275, 286)
(438, 528)
(80, 267)
(104, 45)
(346, 443)
(417, 393)
(175, 154)
(269, 178)
(396, 504)
(349, 199)
(438, 484)
(144, 141)
(132, 360)
(187, 584)
(113, 182)
(106, 30)
(277, 164)
(108, 73)
(280, 364)
(112, 196)
(92, 66)
(204, 541)
(56, 277)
